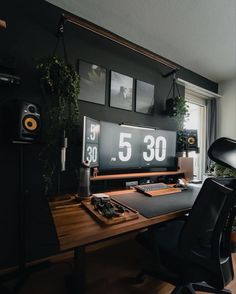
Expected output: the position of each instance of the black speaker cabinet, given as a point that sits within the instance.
(22, 121)
(187, 140)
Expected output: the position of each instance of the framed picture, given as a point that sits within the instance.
(121, 92)
(144, 97)
(92, 82)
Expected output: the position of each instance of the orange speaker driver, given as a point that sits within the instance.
(191, 140)
(30, 124)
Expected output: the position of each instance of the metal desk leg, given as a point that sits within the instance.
(79, 276)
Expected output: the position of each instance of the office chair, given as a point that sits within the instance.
(223, 151)
(194, 253)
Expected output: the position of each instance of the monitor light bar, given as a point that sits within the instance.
(137, 127)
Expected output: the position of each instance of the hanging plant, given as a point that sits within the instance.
(176, 106)
(182, 111)
(61, 83)
(178, 109)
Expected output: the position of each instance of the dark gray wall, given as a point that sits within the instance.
(30, 34)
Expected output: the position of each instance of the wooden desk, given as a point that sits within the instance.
(76, 229)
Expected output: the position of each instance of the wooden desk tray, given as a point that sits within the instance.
(128, 215)
(67, 200)
(161, 192)
(63, 201)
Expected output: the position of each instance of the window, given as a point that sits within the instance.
(197, 121)
(197, 98)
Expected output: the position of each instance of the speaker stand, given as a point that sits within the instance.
(23, 272)
(21, 211)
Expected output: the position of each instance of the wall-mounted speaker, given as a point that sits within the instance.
(187, 140)
(22, 121)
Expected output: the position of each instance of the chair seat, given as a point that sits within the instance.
(164, 236)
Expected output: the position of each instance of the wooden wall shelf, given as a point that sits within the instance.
(135, 175)
(185, 167)
(85, 24)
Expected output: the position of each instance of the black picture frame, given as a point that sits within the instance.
(121, 91)
(145, 100)
(92, 82)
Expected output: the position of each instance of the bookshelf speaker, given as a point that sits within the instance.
(22, 121)
(187, 140)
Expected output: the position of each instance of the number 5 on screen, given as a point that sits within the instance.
(93, 129)
(125, 155)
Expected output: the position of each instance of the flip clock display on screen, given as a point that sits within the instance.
(115, 147)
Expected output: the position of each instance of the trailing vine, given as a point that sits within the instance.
(61, 83)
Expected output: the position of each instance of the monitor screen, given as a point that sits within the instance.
(91, 130)
(124, 147)
(111, 146)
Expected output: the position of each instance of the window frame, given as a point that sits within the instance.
(200, 100)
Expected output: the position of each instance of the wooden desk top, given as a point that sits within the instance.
(75, 227)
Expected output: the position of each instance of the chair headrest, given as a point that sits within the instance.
(223, 151)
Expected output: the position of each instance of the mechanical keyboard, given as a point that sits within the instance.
(151, 187)
(156, 189)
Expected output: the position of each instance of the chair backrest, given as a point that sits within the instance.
(223, 151)
(205, 238)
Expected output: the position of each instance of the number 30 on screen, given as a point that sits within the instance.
(156, 147)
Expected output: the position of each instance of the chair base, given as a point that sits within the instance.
(187, 289)
(203, 287)
(180, 289)
(159, 272)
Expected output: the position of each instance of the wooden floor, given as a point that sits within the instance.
(109, 270)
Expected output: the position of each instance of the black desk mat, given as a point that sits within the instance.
(155, 206)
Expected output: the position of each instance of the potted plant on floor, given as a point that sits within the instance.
(221, 171)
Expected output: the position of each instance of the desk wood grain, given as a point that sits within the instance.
(75, 227)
